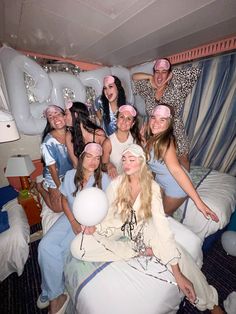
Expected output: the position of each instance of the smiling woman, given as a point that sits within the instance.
(113, 96)
(127, 133)
(172, 88)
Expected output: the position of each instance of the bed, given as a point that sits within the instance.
(119, 287)
(14, 242)
(127, 287)
(218, 191)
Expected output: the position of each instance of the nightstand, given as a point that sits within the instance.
(32, 209)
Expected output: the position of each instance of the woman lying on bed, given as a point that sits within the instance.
(54, 246)
(136, 214)
(174, 180)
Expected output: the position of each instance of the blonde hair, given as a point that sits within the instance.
(124, 202)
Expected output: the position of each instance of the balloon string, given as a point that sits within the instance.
(81, 243)
(156, 260)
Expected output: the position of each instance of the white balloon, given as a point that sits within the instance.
(61, 81)
(14, 65)
(90, 206)
(228, 241)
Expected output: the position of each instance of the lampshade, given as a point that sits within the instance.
(19, 165)
(8, 129)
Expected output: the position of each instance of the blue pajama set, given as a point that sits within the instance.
(54, 152)
(55, 245)
(165, 179)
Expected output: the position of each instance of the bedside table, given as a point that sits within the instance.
(32, 209)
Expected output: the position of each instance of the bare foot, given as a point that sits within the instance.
(56, 304)
(217, 310)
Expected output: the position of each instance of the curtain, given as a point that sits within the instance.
(210, 115)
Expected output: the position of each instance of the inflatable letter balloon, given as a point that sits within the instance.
(90, 206)
(28, 116)
(61, 81)
(95, 78)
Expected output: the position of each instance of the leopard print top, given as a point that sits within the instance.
(175, 95)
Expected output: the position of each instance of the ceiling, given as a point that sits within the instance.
(114, 32)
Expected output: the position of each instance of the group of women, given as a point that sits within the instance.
(144, 175)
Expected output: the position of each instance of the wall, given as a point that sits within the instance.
(26, 145)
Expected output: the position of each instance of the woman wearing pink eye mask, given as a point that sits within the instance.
(173, 179)
(171, 87)
(106, 106)
(127, 133)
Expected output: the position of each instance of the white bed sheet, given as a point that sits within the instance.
(14, 245)
(119, 288)
(48, 217)
(218, 191)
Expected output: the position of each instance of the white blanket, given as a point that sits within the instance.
(218, 191)
(14, 246)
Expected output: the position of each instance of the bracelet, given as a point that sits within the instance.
(72, 220)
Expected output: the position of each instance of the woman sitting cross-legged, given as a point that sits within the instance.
(127, 133)
(54, 246)
(174, 180)
(137, 225)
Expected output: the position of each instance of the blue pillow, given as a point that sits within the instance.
(4, 223)
(7, 193)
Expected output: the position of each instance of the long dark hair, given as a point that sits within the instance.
(135, 130)
(80, 114)
(160, 142)
(121, 100)
(79, 175)
(48, 128)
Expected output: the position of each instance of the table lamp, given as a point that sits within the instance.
(20, 166)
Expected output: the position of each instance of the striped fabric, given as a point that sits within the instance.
(210, 115)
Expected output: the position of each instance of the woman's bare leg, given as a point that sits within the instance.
(56, 304)
(171, 204)
(217, 310)
(55, 200)
(52, 197)
(44, 193)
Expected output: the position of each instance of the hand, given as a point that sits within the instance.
(111, 170)
(143, 132)
(88, 230)
(149, 251)
(76, 226)
(207, 212)
(186, 287)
